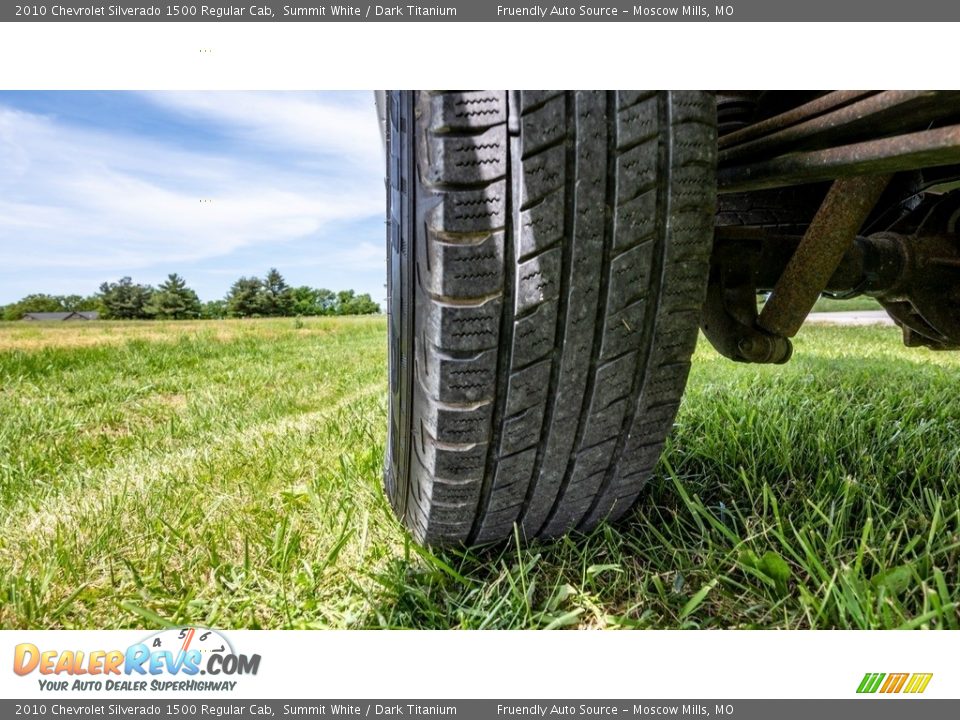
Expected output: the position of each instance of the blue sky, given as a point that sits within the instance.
(98, 185)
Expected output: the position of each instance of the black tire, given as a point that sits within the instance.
(548, 261)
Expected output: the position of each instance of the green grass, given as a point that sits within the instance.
(228, 474)
(861, 302)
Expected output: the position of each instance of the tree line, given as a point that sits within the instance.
(172, 299)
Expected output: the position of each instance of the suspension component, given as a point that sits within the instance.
(828, 238)
(880, 114)
(730, 317)
(924, 149)
(916, 278)
(806, 111)
(771, 174)
(925, 299)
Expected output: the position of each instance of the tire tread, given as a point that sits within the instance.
(560, 268)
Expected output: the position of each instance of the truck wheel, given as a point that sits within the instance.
(548, 257)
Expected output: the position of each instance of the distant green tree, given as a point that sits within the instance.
(40, 302)
(90, 303)
(326, 301)
(71, 303)
(37, 302)
(366, 305)
(310, 301)
(245, 298)
(304, 300)
(173, 300)
(344, 300)
(214, 310)
(125, 300)
(348, 303)
(276, 296)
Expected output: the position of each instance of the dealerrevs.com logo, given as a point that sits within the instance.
(893, 683)
(168, 660)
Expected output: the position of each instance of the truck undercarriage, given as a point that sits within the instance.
(845, 193)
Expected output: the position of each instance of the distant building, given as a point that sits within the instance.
(60, 316)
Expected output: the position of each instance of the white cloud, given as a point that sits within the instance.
(312, 122)
(90, 199)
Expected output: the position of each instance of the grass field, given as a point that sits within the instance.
(825, 304)
(228, 474)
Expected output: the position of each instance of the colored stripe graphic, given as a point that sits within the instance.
(918, 682)
(870, 682)
(893, 683)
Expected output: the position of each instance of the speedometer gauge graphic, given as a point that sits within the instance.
(181, 640)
